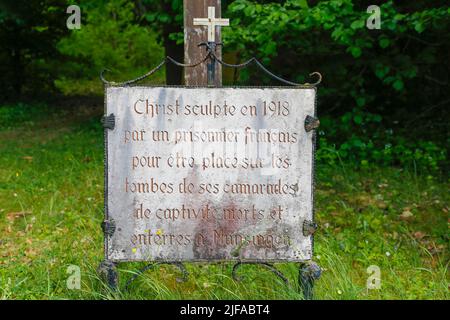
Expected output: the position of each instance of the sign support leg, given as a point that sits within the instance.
(308, 273)
(108, 272)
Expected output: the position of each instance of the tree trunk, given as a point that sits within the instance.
(18, 76)
(173, 73)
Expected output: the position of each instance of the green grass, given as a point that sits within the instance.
(51, 206)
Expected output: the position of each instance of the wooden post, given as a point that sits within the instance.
(194, 35)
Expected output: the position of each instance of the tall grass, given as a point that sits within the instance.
(51, 206)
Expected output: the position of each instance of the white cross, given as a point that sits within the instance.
(211, 22)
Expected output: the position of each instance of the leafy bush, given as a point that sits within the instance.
(14, 115)
(399, 73)
(358, 137)
(111, 38)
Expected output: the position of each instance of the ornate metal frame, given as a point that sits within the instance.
(309, 271)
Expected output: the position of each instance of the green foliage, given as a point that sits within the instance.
(398, 71)
(165, 12)
(331, 28)
(372, 79)
(357, 138)
(29, 31)
(109, 38)
(18, 114)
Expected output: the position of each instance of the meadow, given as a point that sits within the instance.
(51, 207)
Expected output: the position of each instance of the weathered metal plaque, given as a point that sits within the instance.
(203, 174)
